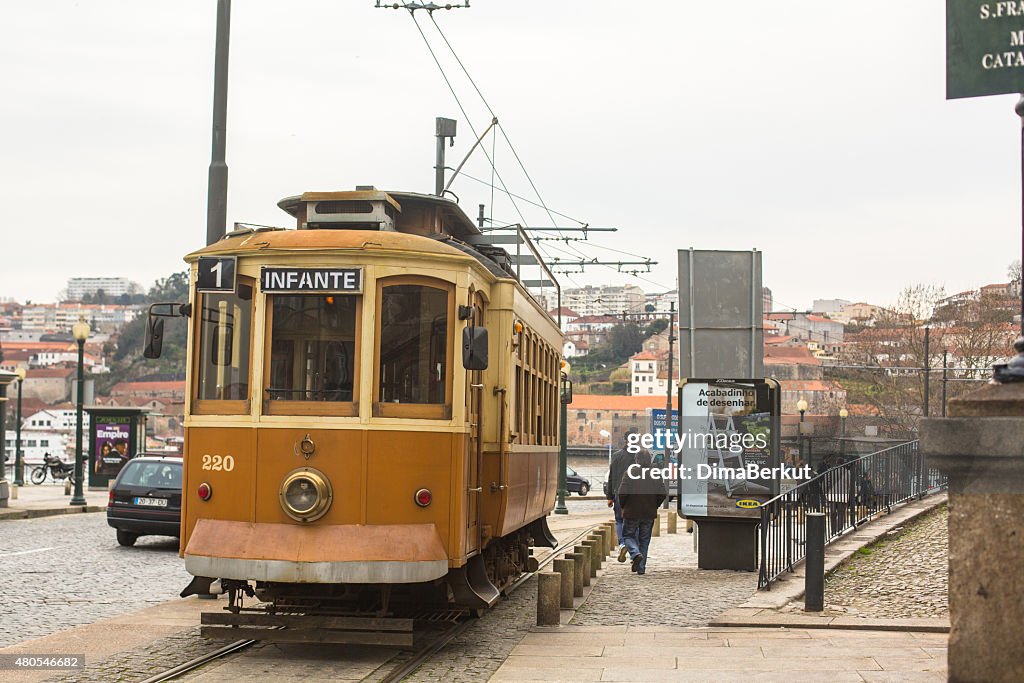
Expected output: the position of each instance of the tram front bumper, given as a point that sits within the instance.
(337, 553)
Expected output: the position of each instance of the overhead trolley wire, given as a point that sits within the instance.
(501, 127)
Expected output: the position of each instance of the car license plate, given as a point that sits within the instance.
(157, 502)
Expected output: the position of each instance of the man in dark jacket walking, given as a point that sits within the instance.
(640, 494)
(616, 472)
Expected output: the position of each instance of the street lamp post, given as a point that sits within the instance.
(801, 406)
(605, 434)
(19, 475)
(843, 414)
(81, 333)
(563, 431)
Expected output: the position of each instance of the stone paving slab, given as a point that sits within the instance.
(725, 654)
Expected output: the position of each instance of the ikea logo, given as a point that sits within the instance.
(747, 504)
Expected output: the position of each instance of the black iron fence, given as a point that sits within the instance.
(849, 495)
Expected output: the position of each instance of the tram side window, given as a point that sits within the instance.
(224, 335)
(413, 344)
(313, 348)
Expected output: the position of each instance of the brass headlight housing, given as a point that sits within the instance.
(306, 494)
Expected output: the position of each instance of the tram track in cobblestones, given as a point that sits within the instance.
(404, 670)
(407, 665)
(193, 664)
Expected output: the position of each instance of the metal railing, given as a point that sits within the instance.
(849, 494)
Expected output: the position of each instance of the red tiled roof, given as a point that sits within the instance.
(601, 402)
(643, 355)
(820, 319)
(789, 355)
(566, 312)
(132, 387)
(41, 373)
(776, 339)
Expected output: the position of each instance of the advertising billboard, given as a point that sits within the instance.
(111, 445)
(728, 447)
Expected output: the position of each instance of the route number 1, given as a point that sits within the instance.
(216, 274)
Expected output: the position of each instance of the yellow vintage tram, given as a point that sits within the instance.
(372, 407)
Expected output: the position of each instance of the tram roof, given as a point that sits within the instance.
(458, 223)
(254, 241)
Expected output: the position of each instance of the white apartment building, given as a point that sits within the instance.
(649, 375)
(661, 303)
(604, 299)
(78, 287)
(62, 317)
(34, 445)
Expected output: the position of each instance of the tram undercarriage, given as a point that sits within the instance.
(381, 614)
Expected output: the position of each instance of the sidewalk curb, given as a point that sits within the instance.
(925, 625)
(761, 610)
(32, 513)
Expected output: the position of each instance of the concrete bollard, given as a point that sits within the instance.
(598, 558)
(615, 535)
(565, 569)
(549, 588)
(592, 554)
(585, 551)
(656, 529)
(606, 541)
(579, 572)
(672, 521)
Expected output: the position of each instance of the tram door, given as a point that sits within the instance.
(474, 398)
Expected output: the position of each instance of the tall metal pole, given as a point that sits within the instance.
(927, 367)
(79, 497)
(217, 189)
(668, 392)
(560, 508)
(1020, 112)
(945, 366)
(800, 441)
(19, 475)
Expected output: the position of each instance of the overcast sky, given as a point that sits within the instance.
(816, 132)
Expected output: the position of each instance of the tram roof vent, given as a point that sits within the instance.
(364, 209)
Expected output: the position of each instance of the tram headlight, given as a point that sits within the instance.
(306, 494)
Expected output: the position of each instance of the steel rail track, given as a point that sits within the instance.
(437, 645)
(404, 669)
(176, 671)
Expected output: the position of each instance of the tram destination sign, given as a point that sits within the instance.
(984, 47)
(311, 279)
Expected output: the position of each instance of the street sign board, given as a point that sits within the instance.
(984, 48)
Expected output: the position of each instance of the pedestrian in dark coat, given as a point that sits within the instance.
(640, 494)
(617, 465)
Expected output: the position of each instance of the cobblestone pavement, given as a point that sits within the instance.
(673, 592)
(903, 576)
(59, 572)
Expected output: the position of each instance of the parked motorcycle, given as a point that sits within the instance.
(57, 468)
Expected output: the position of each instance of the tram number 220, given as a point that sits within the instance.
(218, 463)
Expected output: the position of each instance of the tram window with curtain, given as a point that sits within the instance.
(413, 348)
(312, 363)
(225, 335)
